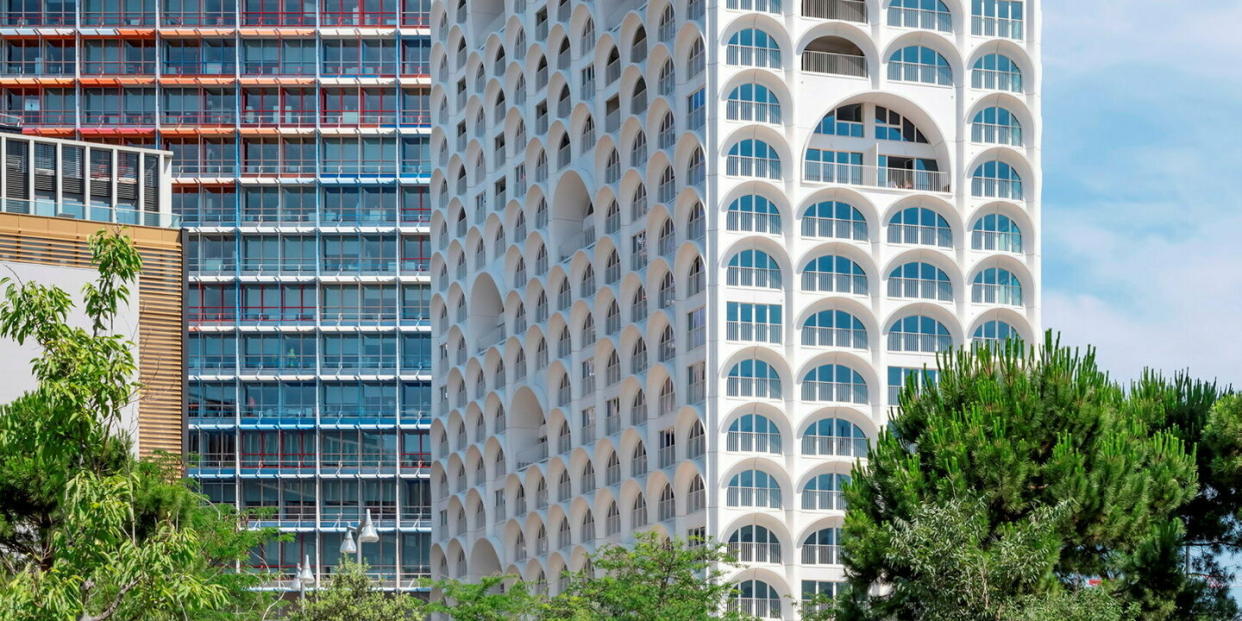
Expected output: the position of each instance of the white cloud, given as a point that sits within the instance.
(1143, 235)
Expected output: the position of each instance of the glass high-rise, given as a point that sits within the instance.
(299, 132)
(687, 251)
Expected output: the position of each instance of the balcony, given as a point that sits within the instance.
(877, 176)
(835, 56)
(846, 10)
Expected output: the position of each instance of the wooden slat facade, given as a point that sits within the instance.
(161, 288)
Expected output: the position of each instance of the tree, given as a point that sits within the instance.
(87, 530)
(961, 569)
(656, 578)
(351, 596)
(1020, 431)
(492, 598)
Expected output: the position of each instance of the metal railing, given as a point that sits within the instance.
(817, 336)
(753, 442)
(914, 342)
(920, 288)
(847, 10)
(920, 234)
(833, 282)
(815, 61)
(877, 176)
(841, 392)
(753, 331)
(835, 445)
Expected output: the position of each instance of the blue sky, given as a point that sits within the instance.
(1142, 158)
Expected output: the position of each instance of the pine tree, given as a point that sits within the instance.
(1021, 431)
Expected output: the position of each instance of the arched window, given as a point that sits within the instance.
(667, 135)
(638, 358)
(668, 24)
(836, 274)
(638, 99)
(612, 269)
(754, 433)
(563, 295)
(519, 274)
(638, 49)
(588, 527)
(519, 547)
(754, 544)
(563, 489)
(823, 492)
(696, 497)
(586, 41)
(696, 60)
(995, 332)
(765, 6)
(756, 598)
(753, 213)
(996, 179)
(695, 278)
(834, 328)
(612, 523)
(753, 48)
(696, 172)
(920, 225)
(917, 63)
(920, 280)
(821, 547)
(668, 78)
(754, 488)
(753, 158)
(923, 14)
(541, 305)
(889, 125)
(996, 72)
(834, 382)
(638, 151)
(588, 477)
(696, 222)
(667, 509)
(668, 291)
(997, 18)
(918, 333)
(834, 219)
(996, 285)
(996, 125)
(562, 534)
(612, 169)
(844, 121)
(753, 268)
(638, 462)
(668, 345)
(638, 514)
(753, 102)
(834, 436)
(668, 398)
(563, 394)
(754, 378)
(996, 231)
(668, 185)
(638, 306)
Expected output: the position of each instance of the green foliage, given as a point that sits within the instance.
(88, 531)
(493, 598)
(1019, 431)
(351, 596)
(656, 578)
(961, 568)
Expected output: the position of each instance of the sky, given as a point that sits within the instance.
(1142, 155)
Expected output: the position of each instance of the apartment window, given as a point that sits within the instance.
(922, 14)
(753, 102)
(746, 321)
(753, 48)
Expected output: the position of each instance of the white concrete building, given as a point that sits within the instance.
(687, 250)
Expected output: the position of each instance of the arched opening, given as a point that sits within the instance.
(835, 56)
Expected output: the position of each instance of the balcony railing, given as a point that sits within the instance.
(906, 341)
(815, 61)
(848, 10)
(920, 288)
(753, 331)
(816, 336)
(877, 176)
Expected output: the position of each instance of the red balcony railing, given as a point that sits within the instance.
(118, 18)
(202, 17)
(358, 17)
(63, 17)
(92, 118)
(277, 18)
(118, 67)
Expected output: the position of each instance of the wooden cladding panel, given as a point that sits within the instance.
(161, 359)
